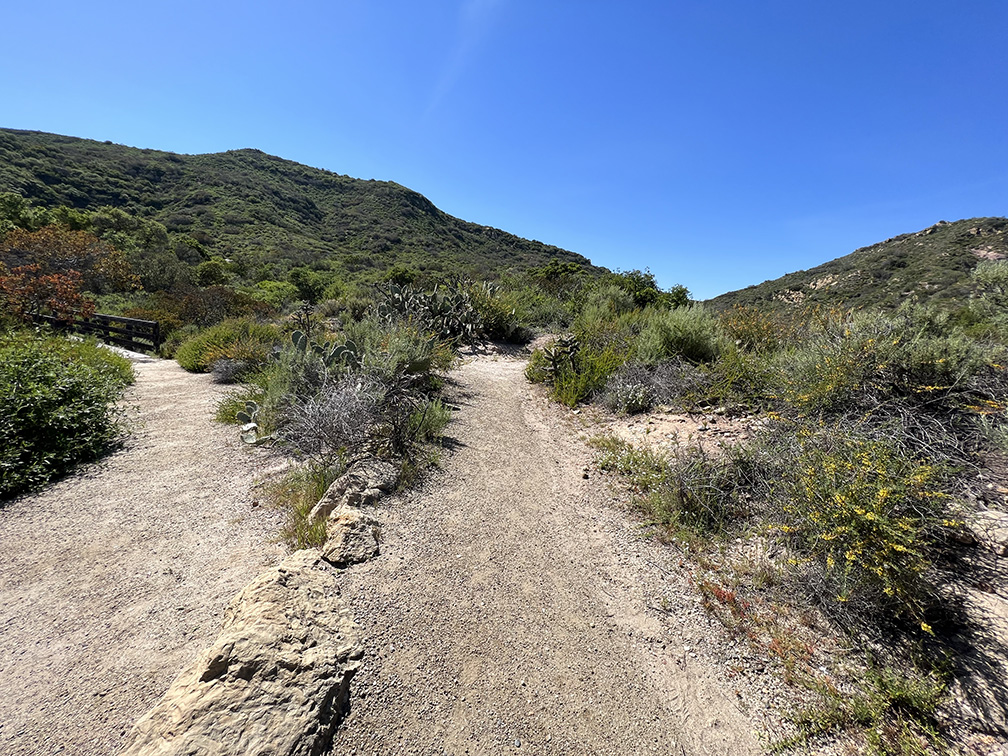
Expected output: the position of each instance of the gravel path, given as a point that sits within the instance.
(113, 579)
(515, 608)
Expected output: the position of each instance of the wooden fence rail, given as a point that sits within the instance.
(138, 335)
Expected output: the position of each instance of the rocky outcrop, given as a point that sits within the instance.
(352, 537)
(990, 529)
(361, 485)
(274, 682)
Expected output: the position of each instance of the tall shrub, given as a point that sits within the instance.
(58, 407)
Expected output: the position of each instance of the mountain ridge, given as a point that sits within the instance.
(932, 265)
(261, 210)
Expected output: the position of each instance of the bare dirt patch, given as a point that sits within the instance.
(664, 430)
(114, 578)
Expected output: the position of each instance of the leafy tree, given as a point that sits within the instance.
(48, 270)
(677, 296)
(211, 273)
(645, 290)
(557, 277)
(17, 212)
(402, 275)
(71, 218)
(311, 284)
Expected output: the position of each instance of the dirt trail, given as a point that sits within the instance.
(114, 578)
(515, 609)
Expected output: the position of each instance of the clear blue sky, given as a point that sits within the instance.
(719, 143)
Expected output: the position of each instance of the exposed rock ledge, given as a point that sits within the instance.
(276, 679)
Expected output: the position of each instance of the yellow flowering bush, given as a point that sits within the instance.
(859, 516)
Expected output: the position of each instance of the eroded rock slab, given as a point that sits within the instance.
(363, 484)
(990, 528)
(352, 537)
(274, 682)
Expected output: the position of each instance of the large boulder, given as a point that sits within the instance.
(275, 681)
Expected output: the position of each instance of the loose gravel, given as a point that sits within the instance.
(112, 579)
(515, 606)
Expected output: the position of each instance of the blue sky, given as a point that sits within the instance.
(718, 143)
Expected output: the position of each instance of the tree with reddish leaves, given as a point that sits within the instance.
(27, 292)
(49, 270)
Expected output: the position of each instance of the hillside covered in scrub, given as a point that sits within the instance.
(262, 214)
(932, 265)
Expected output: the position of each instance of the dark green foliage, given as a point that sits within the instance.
(211, 273)
(241, 339)
(267, 216)
(645, 291)
(57, 407)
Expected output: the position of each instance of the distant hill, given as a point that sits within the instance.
(261, 212)
(932, 265)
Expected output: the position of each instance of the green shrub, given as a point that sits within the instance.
(234, 402)
(739, 378)
(895, 711)
(853, 358)
(278, 294)
(239, 339)
(756, 330)
(58, 407)
(296, 494)
(690, 332)
(860, 516)
(539, 311)
(602, 305)
(427, 421)
(537, 369)
(497, 313)
(682, 489)
(586, 375)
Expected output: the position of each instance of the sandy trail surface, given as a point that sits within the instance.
(114, 578)
(516, 609)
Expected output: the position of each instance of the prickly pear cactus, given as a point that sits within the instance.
(249, 419)
(561, 354)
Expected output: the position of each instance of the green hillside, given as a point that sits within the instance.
(263, 214)
(932, 265)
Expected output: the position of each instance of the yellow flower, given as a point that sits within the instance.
(927, 628)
